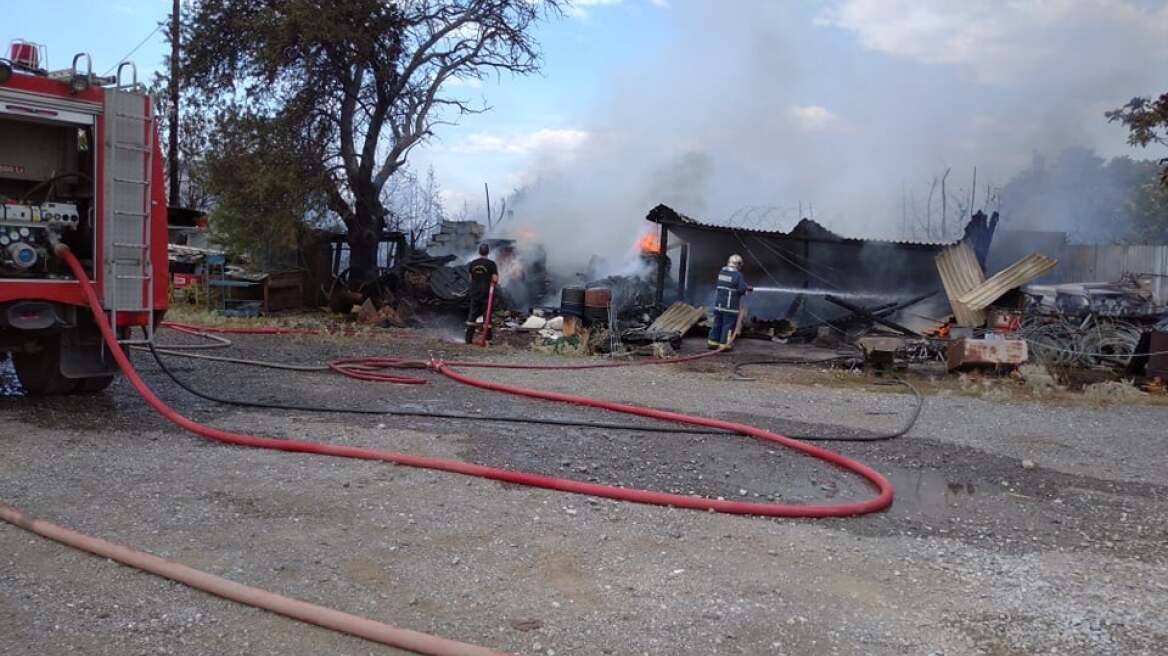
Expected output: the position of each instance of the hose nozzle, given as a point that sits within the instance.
(59, 247)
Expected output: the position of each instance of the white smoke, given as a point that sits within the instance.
(845, 109)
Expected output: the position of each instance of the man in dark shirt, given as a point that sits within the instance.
(483, 274)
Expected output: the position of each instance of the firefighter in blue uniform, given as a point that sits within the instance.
(731, 287)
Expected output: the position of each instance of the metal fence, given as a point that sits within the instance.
(1082, 262)
(1101, 263)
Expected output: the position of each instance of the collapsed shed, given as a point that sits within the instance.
(796, 271)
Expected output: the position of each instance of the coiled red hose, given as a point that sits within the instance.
(882, 500)
(430, 644)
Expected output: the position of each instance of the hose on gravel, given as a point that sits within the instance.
(422, 643)
(191, 328)
(879, 502)
(908, 424)
(296, 609)
(402, 412)
(914, 414)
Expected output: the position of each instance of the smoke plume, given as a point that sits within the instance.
(846, 111)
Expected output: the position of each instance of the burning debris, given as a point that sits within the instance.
(922, 301)
(420, 281)
(649, 243)
(416, 281)
(916, 301)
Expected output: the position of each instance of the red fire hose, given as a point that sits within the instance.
(432, 645)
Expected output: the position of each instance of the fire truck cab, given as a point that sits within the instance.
(78, 165)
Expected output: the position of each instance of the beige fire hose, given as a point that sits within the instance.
(328, 618)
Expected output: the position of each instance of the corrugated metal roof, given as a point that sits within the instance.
(960, 273)
(804, 229)
(679, 318)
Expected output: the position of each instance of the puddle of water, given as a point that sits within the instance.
(928, 492)
(9, 385)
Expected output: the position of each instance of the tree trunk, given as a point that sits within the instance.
(364, 231)
(362, 256)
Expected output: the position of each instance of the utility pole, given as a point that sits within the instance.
(172, 145)
(944, 207)
(487, 190)
(973, 192)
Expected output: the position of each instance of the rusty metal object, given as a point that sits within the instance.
(981, 353)
(1158, 363)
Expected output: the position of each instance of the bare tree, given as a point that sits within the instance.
(414, 206)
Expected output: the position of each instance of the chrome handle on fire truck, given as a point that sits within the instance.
(77, 81)
(134, 79)
(88, 64)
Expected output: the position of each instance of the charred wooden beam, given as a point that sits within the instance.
(662, 266)
(862, 312)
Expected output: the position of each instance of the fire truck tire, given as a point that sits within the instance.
(93, 385)
(40, 372)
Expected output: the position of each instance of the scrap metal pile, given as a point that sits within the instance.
(1064, 341)
(416, 281)
(1089, 324)
(1081, 325)
(994, 323)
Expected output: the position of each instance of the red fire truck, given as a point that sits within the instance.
(78, 164)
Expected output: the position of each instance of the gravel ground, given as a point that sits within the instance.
(978, 555)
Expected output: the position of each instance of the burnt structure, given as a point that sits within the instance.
(802, 267)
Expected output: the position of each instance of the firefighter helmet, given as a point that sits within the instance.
(735, 261)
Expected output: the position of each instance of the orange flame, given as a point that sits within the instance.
(648, 243)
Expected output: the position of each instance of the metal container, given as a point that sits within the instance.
(572, 301)
(996, 353)
(1158, 364)
(596, 302)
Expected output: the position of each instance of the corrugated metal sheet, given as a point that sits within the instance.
(808, 225)
(960, 273)
(679, 318)
(805, 228)
(1013, 276)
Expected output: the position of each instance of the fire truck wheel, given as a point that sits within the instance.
(40, 373)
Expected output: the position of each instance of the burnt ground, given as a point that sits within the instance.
(978, 555)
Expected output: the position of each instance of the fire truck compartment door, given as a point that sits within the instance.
(31, 106)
